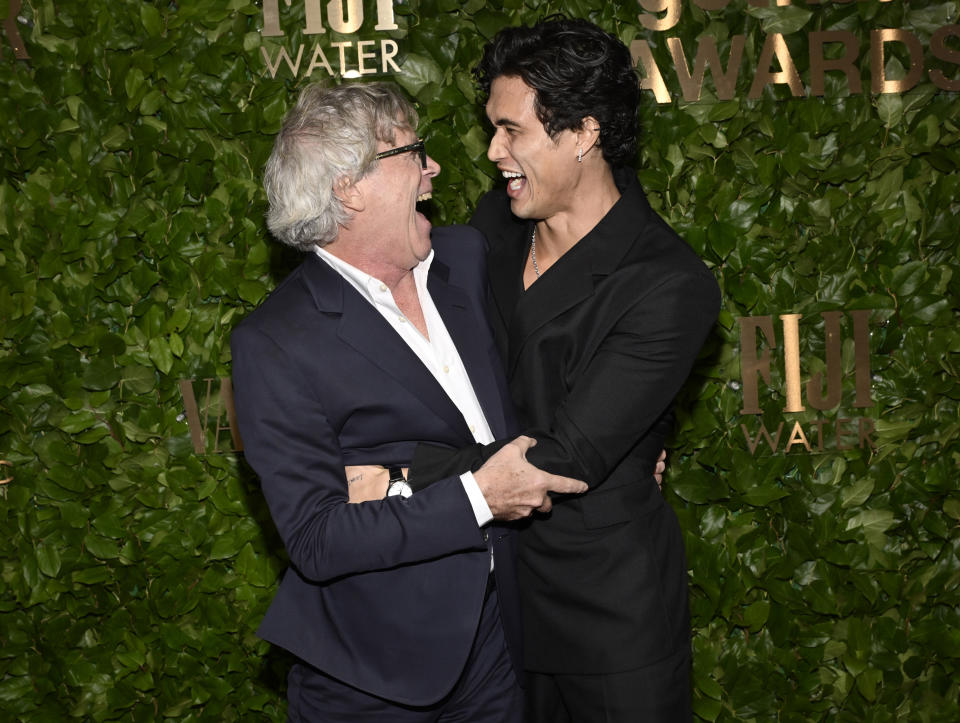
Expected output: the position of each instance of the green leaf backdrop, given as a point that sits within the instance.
(134, 571)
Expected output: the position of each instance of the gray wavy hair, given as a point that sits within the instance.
(327, 139)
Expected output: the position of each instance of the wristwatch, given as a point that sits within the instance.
(397, 485)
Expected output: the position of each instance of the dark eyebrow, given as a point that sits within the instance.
(505, 122)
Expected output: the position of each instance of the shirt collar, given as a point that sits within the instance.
(364, 282)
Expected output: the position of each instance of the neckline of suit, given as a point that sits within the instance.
(363, 328)
(573, 277)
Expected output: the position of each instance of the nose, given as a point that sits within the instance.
(433, 168)
(495, 151)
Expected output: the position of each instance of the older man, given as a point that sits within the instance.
(375, 342)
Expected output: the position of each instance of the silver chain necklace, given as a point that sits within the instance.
(533, 251)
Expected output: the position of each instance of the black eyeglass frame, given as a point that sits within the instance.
(417, 147)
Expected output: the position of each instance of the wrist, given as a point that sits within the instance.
(397, 483)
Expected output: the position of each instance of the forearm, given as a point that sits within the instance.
(342, 539)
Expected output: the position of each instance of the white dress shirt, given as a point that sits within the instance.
(438, 354)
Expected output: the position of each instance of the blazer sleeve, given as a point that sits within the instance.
(630, 381)
(292, 446)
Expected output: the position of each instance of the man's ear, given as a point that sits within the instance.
(588, 135)
(350, 194)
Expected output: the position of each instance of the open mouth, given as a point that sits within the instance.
(424, 204)
(515, 180)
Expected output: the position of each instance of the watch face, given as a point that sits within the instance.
(399, 487)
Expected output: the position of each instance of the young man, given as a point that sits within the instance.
(599, 310)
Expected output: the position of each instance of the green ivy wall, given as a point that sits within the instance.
(825, 585)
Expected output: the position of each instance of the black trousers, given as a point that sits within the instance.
(487, 691)
(657, 693)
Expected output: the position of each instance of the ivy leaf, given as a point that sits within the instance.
(150, 17)
(160, 354)
(783, 20)
(419, 71)
(872, 521)
(48, 559)
(756, 614)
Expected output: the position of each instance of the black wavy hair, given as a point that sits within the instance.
(576, 70)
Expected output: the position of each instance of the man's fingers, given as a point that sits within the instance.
(566, 485)
(546, 506)
(524, 443)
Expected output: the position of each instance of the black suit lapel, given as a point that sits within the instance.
(461, 323)
(572, 279)
(365, 330)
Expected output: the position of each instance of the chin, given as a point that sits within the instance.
(519, 209)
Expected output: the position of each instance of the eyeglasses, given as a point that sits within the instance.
(417, 147)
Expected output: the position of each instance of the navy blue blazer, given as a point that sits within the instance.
(384, 595)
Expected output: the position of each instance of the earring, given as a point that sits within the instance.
(579, 155)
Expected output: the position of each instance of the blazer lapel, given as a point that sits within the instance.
(365, 330)
(571, 280)
(454, 308)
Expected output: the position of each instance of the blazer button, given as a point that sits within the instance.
(486, 536)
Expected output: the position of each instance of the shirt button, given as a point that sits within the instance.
(446, 369)
(383, 287)
(401, 319)
(472, 429)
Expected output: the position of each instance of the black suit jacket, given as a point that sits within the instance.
(385, 595)
(596, 350)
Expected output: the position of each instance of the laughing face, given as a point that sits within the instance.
(393, 190)
(542, 172)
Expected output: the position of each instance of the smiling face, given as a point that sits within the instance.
(542, 172)
(398, 236)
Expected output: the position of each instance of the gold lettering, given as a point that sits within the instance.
(362, 55)
(198, 425)
(651, 22)
(775, 45)
(771, 442)
(797, 437)
(691, 84)
(865, 427)
(878, 40)
(271, 18)
(387, 57)
(752, 365)
(13, 32)
(226, 398)
(819, 64)
(281, 57)
(651, 79)
(342, 47)
(861, 356)
(313, 17)
(791, 361)
(319, 60)
(194, 424)
(840, 422)
(818, 423)
(385, 19)
(833, 344)
(938, 46)
(345, 22)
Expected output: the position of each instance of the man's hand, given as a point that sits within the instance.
(514, 488)
(367, 482)
(659, 468)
